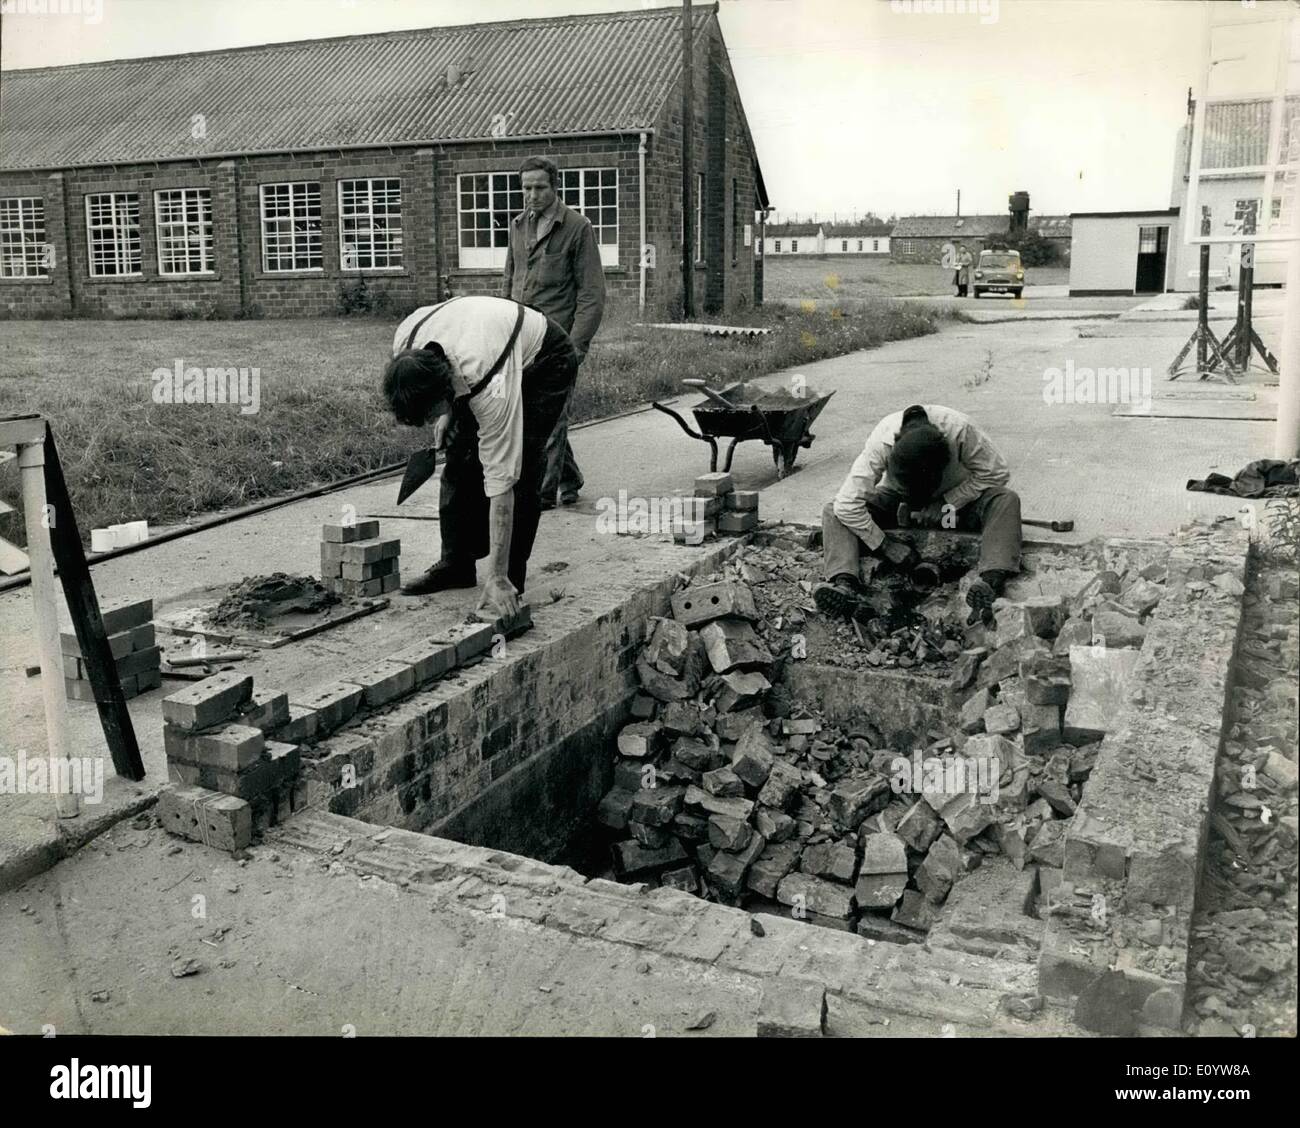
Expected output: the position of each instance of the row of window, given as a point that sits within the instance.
(844, 246)
(370, 225)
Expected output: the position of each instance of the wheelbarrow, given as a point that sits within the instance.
(740, 411)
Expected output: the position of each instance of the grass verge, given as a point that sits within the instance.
(320, 416)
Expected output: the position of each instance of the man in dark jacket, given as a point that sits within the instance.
(553, 265)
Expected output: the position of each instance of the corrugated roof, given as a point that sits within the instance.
(595, 74)
(781, 230)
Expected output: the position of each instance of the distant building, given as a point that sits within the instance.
(270, 179)
(921, 238)
(827, 239)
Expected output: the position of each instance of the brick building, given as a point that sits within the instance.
(272, 180)
(921, 238)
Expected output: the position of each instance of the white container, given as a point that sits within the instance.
(101, 540)
(139, 531)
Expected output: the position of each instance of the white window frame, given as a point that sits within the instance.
(776, 246)
(274, 227)
(794, 246)
(195, 229)
(608, 250)
(23, 249)
(875, 244)
(359, 232)
(501, 186)
(844, 246)
(121, 246)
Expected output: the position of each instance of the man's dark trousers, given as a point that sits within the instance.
(462, 504)
(995, 513)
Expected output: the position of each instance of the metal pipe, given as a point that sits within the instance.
(640, 154)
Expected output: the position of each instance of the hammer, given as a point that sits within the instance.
(906, 515)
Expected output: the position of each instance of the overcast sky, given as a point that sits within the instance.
(854, 105)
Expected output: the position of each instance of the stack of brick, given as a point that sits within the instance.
(246, 759)
(721, 791)
(215, 733)
(717, 507)
(130, 638)
(354, 560)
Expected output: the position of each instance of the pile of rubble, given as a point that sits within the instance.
(1242, 969)
(911, 630)
(726, 788)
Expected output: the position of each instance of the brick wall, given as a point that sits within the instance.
(725, 279)
(723, 154)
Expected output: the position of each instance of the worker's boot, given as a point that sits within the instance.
(441, 577)
(982, 593)
(842, 597)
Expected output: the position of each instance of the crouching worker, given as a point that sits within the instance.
(492, 376)
(925, 466)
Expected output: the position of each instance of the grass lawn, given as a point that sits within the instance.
(320, 416)
(849, 276)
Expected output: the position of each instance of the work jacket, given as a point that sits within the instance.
(560, 275)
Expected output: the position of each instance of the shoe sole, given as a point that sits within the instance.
(841, 604)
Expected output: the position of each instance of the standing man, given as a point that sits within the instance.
(553, 265)
(936, 464)
(492, 376)
(964, 263)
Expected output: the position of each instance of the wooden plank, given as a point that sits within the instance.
(12, 559)
(18, 430)
(83, 606)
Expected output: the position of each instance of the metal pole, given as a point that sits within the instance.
(688, 164)
(640, 191)
(1286, 438)
(31, 466)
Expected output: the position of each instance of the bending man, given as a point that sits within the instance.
(493, 377)
(938, 466)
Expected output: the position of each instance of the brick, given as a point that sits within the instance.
(370, 551)
(339, 533)
(722, 782)
(123, 614)
(614, 809)
(364, 589)
(383, 682)
(391, 582)
(77, 690)
(200, 815)
(277, 767)
(685, 879)
(740, 691)
(513, 625)
(697, 797)
(731, 644)
(208, 703)
(1115, 630)
(816, 895)
(120, 644)
(714, 485)
(266, 710)
(915, 911)
(973, 709)
(729, 833)
(232, 748)
(735, 523)
(702, 603)
(631, 858)
(300, 727)
(656, 806)
(373, 571)
(334, 705)
(149, 679)
(1046, 678)
(1001, 719)
(139, 662)
(742, 501)
(472, 641)
(854, 801)
(753, 758)
(429, 660)
(641, 740)
(774, 863)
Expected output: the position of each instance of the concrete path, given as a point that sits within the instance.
(1112, 476)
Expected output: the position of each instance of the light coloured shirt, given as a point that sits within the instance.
(975, 466)
(473, 331)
